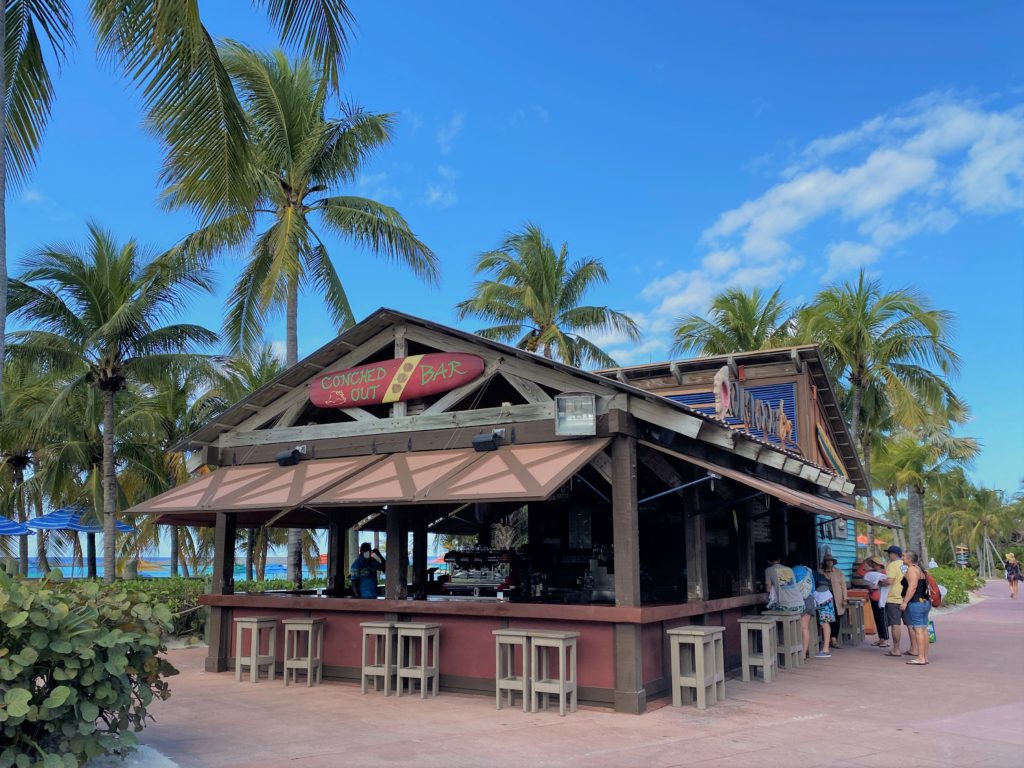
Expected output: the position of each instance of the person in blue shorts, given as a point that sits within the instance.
(917, 605)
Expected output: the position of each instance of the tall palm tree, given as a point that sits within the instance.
(300, 160)
(533, 296)
(97, 315)
(36, 34)
(894, 338)
(166, 50)
(737, 321)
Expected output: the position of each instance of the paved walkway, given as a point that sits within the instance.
(857, 708)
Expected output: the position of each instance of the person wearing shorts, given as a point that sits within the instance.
(916, 606)
(894, 601)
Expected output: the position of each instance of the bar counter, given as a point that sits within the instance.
(467, 644)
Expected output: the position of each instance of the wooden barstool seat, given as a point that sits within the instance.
(505, 678)
(758, 647)
(311, 661)
(378, 656)
(563, 644)
(421, 666)
(698, 665)
(256, 626)
(789, 642)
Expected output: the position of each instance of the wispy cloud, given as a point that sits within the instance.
(916, 170)
(441, 192)
(33, 195)
(448, 132)
(377, 186)
(524, 115)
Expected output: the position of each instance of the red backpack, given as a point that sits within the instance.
(933, 590)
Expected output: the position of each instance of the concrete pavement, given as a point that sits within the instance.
(857, 708)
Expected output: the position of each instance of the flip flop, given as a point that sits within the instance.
(916, 663)
(892, 654)
(881, 643)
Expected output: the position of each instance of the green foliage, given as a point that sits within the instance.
(267, 585)
(181, 596)
(958, 582)
(79, 668)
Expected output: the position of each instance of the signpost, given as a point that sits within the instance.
(392, 381)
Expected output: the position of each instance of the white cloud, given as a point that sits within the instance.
(848, 256)
(914, 171)
(279, 349)
(441, 193)
(377, 186)
(645, 352)
(32, 195)
(447, 133)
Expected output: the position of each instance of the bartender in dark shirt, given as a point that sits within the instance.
(364, 571)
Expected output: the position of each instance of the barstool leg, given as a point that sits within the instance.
(238, 653)
(527, 683)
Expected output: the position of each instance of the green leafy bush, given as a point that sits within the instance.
(181, 596)
(266, 585)
(79, 667)
(958, 582)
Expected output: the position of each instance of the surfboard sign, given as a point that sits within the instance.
(391, 381)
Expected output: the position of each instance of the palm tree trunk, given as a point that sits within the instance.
(3, 201)
(865, 448)
(291, 358)
(858, 386)
(19, 480)
(250, 552)
(261, 566)
(109, 490)
(174, 551)
(915, 522)
(90, 555)
(42, 563)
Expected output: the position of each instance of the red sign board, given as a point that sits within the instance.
(390, 381)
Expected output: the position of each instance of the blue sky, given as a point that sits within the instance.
(689, 147)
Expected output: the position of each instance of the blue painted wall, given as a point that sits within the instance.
(770, 393)
(843, 549)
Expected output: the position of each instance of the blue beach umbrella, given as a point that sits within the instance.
(9, 527)
(70, 520)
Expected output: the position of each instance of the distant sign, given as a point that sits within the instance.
(392, 381)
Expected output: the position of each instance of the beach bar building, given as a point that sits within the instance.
(652, 496)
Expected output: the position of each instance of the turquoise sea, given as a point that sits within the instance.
(75, 569)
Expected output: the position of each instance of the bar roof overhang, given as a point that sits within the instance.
(794, 498)
(303, 494)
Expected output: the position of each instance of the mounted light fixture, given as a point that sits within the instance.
(290, 457)
(575, 414)
(485, 443)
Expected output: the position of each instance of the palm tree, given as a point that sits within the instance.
(30, 29)
(96, 316)
(737, 321)
(534, 297)
(165, 49)
(299, 158)
(894, 338)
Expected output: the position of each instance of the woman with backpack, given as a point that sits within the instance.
(916, 606)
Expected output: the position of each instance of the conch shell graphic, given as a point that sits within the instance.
(337, 397)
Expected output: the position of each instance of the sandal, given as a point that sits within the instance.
(890, 653)
(881, 643)
(916, 663)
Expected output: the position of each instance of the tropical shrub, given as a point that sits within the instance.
(181, 596)
(79, 668)
(267, 585)
(958, 583)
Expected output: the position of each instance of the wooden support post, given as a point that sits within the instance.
(337, 558)
(629, 693)
(696, 548)
(222, 583)
(397, 555)
(482, 514)
(401, 350)
(419, 556)
(744, 549)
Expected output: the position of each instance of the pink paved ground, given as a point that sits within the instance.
(857, 708)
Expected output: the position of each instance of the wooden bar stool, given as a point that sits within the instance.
(815, 634)
(312, 660)
(542, 643)
(256, 626)
(505, 678)
(788, 640)
(424, 638)
(855, 617)
(378, 637)
(698, 665)
(758, 647)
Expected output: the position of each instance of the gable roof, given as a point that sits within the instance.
(808, 355)
(382, 319)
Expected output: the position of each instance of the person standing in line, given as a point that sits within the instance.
(893, 612)
(877, 595)
(805, 583)
(784, 595)
(837, 580)
(364, 571)
(1013, 574)
(825, 604)
(916, 606)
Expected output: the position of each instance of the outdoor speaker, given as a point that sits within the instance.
(288, 458)
(483, 443)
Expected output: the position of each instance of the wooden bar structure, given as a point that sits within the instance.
(651, 516)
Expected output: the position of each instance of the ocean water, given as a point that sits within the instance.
(160, 568)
